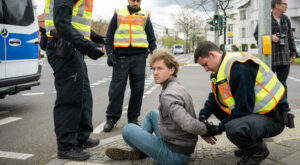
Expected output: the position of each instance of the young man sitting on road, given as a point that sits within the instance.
(175, 125)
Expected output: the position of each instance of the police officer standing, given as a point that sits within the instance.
(247, 98)
(69, 33)
(129, 38)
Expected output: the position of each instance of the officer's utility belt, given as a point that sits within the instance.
(58, 43)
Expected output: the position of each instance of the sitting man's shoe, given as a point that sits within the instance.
(75, 153)
(254, 158)
(109, 125)
(89, 143)
(239, 153)
(123, 154)
(135, 121)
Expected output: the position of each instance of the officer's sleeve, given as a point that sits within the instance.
(62, 20)
(210, 106)
(242, 83)
(109, 40)
(150, 35)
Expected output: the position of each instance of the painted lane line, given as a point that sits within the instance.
(293, 78)
(9, 120)
(33, 94)
(14, 155)
(95, 84)
(99, 129)
(3, 112)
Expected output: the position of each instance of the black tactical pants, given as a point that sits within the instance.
(134, 68)
(248, 132)
(73, 105)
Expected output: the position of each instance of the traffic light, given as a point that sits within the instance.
(211, 23)
(216, 19)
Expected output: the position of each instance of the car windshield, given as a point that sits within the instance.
(297, 42)
(178, 46)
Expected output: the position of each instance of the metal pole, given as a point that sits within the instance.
(264, 28)
(217, 31)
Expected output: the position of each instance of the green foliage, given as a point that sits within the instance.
(234, 48)
(222, 47)
(170, 41)
(253, 46)
(244, 47)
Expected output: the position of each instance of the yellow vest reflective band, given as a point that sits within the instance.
(81, 17)
(131, 29)
(268, 89)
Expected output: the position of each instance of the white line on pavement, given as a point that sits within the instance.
(3, 112)
(99, 129)
(9, 120)
(33, 94)
(14, 155)
(292, 78)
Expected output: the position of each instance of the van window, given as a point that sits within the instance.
(14, 12)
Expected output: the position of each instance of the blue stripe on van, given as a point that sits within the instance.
(25, 50)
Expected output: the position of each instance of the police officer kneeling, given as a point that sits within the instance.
(68, 42)
(246, 98)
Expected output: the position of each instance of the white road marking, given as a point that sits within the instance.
(14, 155)
(33, 94)
(99, 129)
(9, 120)
(293, 78)
(3, 112)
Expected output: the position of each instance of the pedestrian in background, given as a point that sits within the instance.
(175, 125)
(283, 43)
(246, 97)
(129, 39)
(68, 27)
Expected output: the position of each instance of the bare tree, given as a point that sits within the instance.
(224, 6)
(100, 26)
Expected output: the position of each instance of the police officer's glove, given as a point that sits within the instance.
(111, 59)
(95, 52)
(212, 130)
(202, 118)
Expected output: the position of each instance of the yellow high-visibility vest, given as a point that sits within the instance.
(131, 29)
(268, 89)
(81, 17)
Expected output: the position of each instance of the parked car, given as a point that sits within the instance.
(178, 49)
(297, 43)
(20, 64)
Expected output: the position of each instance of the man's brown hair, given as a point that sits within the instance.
(167, 57)
(274, 2)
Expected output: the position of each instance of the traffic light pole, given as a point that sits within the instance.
(264, 28)
(217, 30)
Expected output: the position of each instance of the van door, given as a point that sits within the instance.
(2, 43)
(21, 41)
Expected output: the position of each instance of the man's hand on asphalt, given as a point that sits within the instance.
(210, 140)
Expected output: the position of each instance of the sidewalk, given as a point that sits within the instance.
(284, 149)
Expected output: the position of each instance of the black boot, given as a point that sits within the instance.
(109, 125)
(74, 153)
(89, 143)
(255, 155)
(239, 153)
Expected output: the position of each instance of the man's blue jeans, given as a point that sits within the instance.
(142, 139)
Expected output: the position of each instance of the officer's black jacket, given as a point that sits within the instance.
(62, 16)
(109, 42)
(242, 83)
